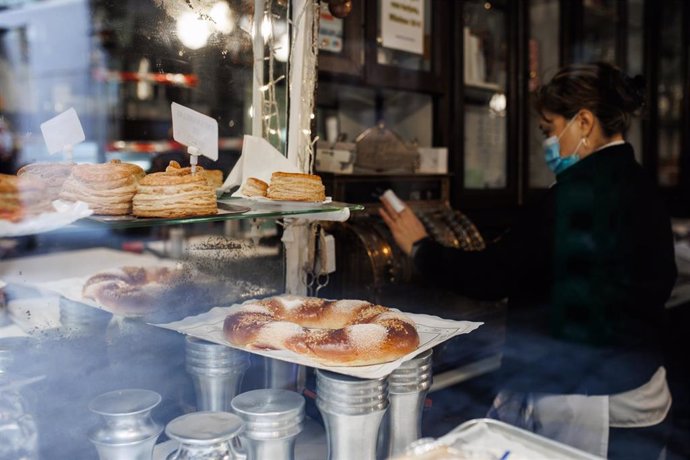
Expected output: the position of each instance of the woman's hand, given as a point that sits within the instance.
(404, 226)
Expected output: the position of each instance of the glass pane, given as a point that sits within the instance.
(670, 89)
(600, 23)
(353, 110)
(404, 34)
(635, 65)
(543, 64)
(485, 64)
(484, 42)
(120, 64)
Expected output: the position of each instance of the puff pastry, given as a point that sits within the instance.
(296, 187)
(21, 197)
(52, 174)
(254, 187)
(174, 193)
(107, 188)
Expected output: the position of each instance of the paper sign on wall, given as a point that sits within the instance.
(330, 32)
(195, 129)
(402, 25)
(63, 131)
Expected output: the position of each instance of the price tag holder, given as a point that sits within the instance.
(197, 131)
(63, 132)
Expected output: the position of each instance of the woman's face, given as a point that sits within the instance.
(552, 124)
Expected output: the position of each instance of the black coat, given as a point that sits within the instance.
(586, 270)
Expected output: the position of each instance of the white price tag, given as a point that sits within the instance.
(195, 129)
(62, 132)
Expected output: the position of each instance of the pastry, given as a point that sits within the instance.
(296, 187)
(174, 193)
(53, 174)
(107, 188)
(254, 187)
(22, 197)
(335, 333)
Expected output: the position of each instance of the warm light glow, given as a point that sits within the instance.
(281, 48)
(266, 27)
(223, 17)
(251, 111)
(498, 104)
(192, 31)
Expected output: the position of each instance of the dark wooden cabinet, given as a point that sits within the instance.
(485, 116)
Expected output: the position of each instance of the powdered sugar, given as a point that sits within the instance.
(291, 302)
(277, 332)
(346, 306)
(255, 308)
(366, 336)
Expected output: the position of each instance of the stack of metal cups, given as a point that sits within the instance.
(352, 411)
(272, 420)
(206, 436)
(408, 386)
(217, 372)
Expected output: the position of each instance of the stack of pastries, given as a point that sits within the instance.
(22, 197)
(296, 187)
(175, 193)
(107, 188)
(53, 175)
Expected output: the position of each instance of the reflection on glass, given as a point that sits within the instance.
(484, 42)
(352, 110)
(670, 95)
(543, 63)
(485, 65)
(600, 23)
(120, 64)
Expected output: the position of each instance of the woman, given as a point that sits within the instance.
(587, 271)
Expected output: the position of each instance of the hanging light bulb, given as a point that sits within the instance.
(192, 31)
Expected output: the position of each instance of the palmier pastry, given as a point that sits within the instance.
(296, 187)
(254, 187)
(335, 333)
(53, 174)
(22, 197)
(107, 188)
(174, 193)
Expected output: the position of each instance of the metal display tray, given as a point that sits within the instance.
(505, 438)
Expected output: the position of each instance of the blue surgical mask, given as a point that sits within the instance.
(552, 152)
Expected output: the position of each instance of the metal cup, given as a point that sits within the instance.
(273, 419)
(129, 432)
(408, 386)
(217, 372)
(352, 411)
(205, 436)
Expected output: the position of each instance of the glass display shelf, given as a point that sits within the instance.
(229, 209)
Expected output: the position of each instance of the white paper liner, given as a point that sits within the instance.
(65, 213)
(432, 331)
(486, 439)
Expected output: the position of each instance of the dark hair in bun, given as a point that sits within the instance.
(602, 88)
